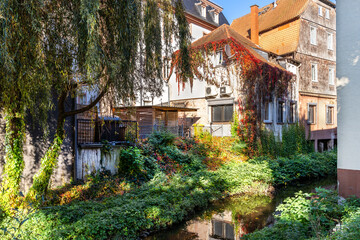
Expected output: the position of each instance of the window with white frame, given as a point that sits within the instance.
(327, 14)
(331, 76)
(280, 111)
(329, 114)
(166, 68)
(216, 17)
(292, 112)
(320, 11)
(313, 35)
(314, 72)
(312, 113)
(268, 112)
(330, 42)
(218, 58)
(203, 11)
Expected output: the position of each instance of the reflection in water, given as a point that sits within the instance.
(231, 218)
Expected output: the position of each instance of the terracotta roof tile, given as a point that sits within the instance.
(226, 32)
(270, 17)
(282, 40)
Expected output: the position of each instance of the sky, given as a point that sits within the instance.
(236, 8)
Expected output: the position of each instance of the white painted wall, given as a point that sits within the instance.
(348, 73)
(197, 31)
(197, 92)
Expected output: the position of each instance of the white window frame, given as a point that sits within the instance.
(331, 75)
(314, 75)
(216, 17)
(268, 118)
(330, 41)
(327, 13)
(315, 113)
(203, 11)
(313, 35)
(332, 116)
(320, 11)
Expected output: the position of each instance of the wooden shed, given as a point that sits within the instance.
(150, 118)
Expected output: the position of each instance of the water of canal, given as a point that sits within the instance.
(233, 217)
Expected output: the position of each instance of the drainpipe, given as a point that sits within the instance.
(75, 143)
(168, 85)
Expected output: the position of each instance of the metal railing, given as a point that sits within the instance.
(95, 131)
(181, 130)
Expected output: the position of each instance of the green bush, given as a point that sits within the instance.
(161, 138)
(135, 166)
(156, 204)
(307, 216)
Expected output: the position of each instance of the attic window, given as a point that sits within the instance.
(203, 11)
(216, 17)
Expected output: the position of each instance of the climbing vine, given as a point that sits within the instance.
(14, 161)
(256, 81)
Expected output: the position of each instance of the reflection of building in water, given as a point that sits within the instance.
(219, 227)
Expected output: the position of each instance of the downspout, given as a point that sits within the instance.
(76, 140)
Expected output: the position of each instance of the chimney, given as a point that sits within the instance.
(255, 24)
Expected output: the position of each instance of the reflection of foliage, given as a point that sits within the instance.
(239, 206)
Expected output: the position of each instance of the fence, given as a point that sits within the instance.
(215, 130)
(181, 130)
(96, 131)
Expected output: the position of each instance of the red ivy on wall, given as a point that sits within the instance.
(258, 80)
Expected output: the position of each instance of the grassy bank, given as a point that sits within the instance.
(161, 182)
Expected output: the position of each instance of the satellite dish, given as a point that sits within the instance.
(228, 51)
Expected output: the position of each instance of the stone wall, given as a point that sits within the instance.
(37, 142)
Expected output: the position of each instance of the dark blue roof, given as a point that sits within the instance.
(195, 10)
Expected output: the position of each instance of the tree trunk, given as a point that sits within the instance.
(14, 159)
(48, 163)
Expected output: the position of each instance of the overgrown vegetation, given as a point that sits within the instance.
(161, 181)
(314, 216)
(293, 142)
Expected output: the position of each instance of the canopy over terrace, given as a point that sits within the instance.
(150, 118)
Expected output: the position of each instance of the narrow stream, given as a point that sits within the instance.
(233, 217)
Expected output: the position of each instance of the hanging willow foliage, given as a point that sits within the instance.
(23, 83)
(256, 79)
(97, 45)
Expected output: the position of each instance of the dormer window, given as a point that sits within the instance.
(216, 17)
(203, 11)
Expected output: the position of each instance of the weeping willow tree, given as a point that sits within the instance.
(23, 81)
(108, 47)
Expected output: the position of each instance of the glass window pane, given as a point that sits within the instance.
(228, 113)
(217, 112)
